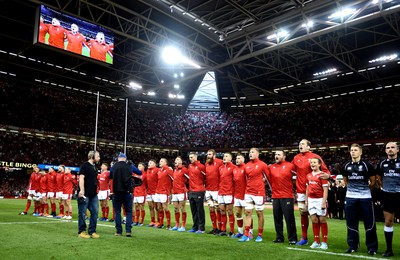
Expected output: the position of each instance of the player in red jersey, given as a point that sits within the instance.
(225, 194)
(281, 178)
(51, 190)
(301, 164)
(44, 207)
(76, 41)
(59, 189)
(239, 181)
(152, 179)
(99, 48)
(32, 186)
(179, 190)
(68, 188)
(139, 197)
(316, 196)
(164, 185)
(56, 34)
(196, 192)
(256, 173)
(212, 180)
(104, 191)
(43, 30)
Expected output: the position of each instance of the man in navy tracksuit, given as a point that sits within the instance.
(360, 178)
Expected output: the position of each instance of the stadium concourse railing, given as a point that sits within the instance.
(108, 142)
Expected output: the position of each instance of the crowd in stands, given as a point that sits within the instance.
(355, 118)
(349, 119)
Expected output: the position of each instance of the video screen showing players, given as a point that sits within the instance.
(74, 35)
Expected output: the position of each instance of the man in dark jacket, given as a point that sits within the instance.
(121, 174)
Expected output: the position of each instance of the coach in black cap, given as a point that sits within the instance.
(121, 174)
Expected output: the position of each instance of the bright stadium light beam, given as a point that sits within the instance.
(134, 85)
(342, 13)
(173, 56)
(384, 58)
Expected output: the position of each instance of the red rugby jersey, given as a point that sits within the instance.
(315, 185)
(43, 183)
(56, 36)
(212, 175)
(60, 181)
(240, 182)
(196, 172)
(69, 182)
(140, 191)
(226, 186)
(165, 177)
(302, 167)
(281, 180)
(104, 180)
(152, 180)
(51, 182)
(180, 179)
(255, 171)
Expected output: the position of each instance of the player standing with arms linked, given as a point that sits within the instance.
(302, 167)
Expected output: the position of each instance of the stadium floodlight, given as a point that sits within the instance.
(176, 86)
(342, 13)
(308, 24)
(180, 96)
(171, 95)
(280, 34)
(384, 58)
(328, 71)
(134, 85)
(151, 93)
(173, 56)
(182, 74)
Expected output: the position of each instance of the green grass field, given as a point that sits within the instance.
(28, 237)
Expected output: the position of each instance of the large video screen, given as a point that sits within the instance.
(66, 32)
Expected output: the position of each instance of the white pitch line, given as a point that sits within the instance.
(13, 223)
(332, 253)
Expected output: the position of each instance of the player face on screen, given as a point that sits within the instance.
(253, 154)
(178, 162)
(303, 146)
(55, 22)
(392, 149)
(315, 165)
(227, 157)
(279, 157)
(100, 37)
(74, 28)
(239, 160)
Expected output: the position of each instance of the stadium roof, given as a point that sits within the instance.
(263, 53)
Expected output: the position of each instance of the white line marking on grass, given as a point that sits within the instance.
(14, 223)
(332, 253)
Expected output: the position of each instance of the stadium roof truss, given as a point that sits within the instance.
(262, 52)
